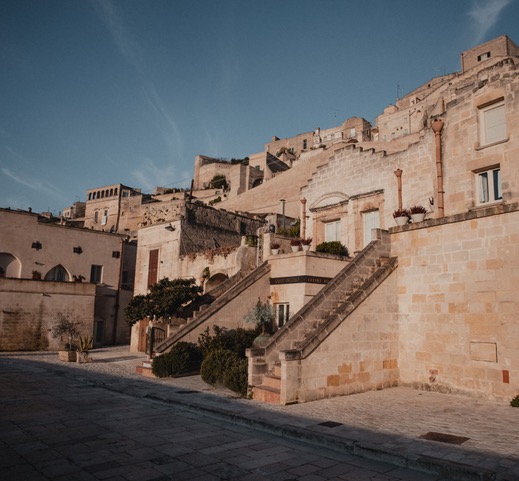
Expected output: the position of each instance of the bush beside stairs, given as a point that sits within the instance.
(222, 295)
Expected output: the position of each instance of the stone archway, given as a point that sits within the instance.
(215, 280)
(10, 266)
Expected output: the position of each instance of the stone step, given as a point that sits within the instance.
(271, 381)
(145, 370)
(266, 394)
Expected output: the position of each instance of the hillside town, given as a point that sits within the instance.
(425, 203)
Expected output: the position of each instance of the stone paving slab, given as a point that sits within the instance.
(386, 425)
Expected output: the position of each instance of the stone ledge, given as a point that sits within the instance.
(475, 213)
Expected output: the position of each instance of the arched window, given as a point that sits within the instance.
(57, 273)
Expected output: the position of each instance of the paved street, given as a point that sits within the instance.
(57, 428)
(102, 421)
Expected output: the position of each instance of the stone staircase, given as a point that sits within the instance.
(309, 327)
(224, 294)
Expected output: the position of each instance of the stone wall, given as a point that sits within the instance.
(458, 303)
(207, 228)
(28, 314)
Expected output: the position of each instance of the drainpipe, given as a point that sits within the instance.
(437, 126)
(283, 213)
(303, 219)
(398, 173)
(118, 293)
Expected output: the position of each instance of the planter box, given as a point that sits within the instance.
(67, 356)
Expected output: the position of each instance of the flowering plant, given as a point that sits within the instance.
(401, 213)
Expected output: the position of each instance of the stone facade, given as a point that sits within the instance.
(48, 268)
(199, 237)
(457, 303)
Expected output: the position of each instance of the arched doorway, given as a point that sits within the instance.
(10, 266)
(214, 281)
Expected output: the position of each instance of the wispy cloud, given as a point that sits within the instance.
(151, 175)
(132, 51)
(169, 126)
(484, 15)
(128, 47)
(32, 184)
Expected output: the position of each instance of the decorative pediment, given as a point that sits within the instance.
(331, 199)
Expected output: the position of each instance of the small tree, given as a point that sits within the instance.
(63, 326)
(261, 315)
(164, 298)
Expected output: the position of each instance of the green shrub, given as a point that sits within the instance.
(334, 247)
(184, 357)
(235, 340)
(235, 377)
(515, 402)
(215, 364)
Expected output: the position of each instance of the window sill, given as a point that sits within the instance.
(487, 204)
(481, 147)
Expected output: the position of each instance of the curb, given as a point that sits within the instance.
(342, 444)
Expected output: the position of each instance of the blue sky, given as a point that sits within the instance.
(96, 92)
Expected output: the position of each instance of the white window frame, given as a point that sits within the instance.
(282, 310)
(332, 231)
(492, 123)
(488, 186)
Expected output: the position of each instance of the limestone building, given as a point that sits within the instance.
(429, 304)
(47, 269)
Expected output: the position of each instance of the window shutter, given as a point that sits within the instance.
(153, 267)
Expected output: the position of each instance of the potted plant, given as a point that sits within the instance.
(66, 330)
(295, 244)
(306, 243)
(417, 213)
(274, 248)
(401, 216)
(85, 344)
(36, 275)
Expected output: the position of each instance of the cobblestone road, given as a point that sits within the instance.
(384, 425)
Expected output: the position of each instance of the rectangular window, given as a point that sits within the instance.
(332, 231)
(96, 274)
(96, 217)
(153, 267)
(483, 56)
(305, 144)
(489, 186)
(104, 219)
(492, 123)
(282, 313)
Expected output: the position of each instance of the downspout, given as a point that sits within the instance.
(303, 219)
(117, 294)
(437, 126)
(398, 173)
